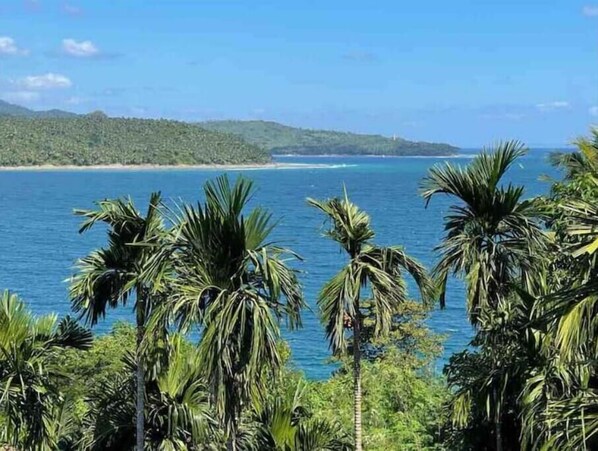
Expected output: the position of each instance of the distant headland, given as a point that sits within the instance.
(56, 138)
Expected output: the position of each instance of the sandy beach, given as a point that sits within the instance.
(153, 167)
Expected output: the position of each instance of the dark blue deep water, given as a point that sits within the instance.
(39, 242)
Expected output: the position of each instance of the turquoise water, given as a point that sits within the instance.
(39, 242)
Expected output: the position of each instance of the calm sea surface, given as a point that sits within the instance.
(39, 242)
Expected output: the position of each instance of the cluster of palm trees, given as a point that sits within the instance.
(529, 379)
(209, 269)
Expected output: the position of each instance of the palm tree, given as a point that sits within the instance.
(561, 399)
(283, 423)
(379, 269)
(494, 241)
(178, 417)
(30, 401)
(235, 286)
(109, 277)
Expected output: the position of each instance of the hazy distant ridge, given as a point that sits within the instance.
(283, 139)
(9, 109)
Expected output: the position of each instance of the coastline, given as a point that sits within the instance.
(158, 167)
(335, 155)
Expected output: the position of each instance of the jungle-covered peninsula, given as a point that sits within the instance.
(60, 138)
(96, 139)
(282, 139)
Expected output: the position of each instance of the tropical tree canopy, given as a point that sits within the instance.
(30, 403)
(380, 269)
(377, 269)
(236, 286)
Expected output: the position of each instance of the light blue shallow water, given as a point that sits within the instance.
(39, 242)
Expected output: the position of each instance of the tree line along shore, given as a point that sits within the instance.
(58, 138)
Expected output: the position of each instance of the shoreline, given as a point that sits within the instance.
(158, 167)
(291, 155)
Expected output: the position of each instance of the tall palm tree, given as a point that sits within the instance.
(561, 399)
(29, 399)
(110, 276)
(233, 284)
(494, 241)
(378, 269)
(178, 418)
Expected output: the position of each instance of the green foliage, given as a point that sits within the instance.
(30, 401)
(229, 280)
(494, 241)
(89, 370)
(96, 140)
(282, 139)
(379, 269)
(529, 380)
(178, 415)
(560, 400)
(402, 403)
(284, 423)
(110, 276)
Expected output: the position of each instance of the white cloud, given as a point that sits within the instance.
(593, 110)
(590, 10)
(81, 49)
(21, 96)
(8, 46)
(553, 106)
(45, 81)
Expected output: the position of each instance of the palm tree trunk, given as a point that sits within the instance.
(231, 443)
(357, 379)
(140, 406)
(497, 423)
(498, 433)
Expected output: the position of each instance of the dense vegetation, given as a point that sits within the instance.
(282, 139)
(98, 140)
(528, 380)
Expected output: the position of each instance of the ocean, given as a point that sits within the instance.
(39, 240)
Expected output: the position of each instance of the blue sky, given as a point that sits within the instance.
(465, 72)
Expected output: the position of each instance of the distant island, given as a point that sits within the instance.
(60, 138)
(282, 139)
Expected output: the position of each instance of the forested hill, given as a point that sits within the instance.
(282, 139)
(96, 139)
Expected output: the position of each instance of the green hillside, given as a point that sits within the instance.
(282, 139)
(98, 140)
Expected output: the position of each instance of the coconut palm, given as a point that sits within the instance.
(234, 285)
(377, 269)
(30, 402)
(109, 277)
(493, 240)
